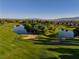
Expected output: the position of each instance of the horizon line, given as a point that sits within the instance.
(39, 17)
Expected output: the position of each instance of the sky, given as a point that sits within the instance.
(39, 8)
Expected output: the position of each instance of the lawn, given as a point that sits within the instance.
(13, 48)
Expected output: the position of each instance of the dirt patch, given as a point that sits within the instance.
(27, 36)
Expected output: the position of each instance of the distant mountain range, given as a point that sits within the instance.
(71, 18)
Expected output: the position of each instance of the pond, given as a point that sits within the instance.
(19, 29)
(65, 34)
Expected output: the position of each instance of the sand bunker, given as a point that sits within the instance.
(27, 36)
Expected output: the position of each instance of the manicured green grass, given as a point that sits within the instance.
(13, 48)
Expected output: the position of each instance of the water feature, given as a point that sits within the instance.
(19, 29)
